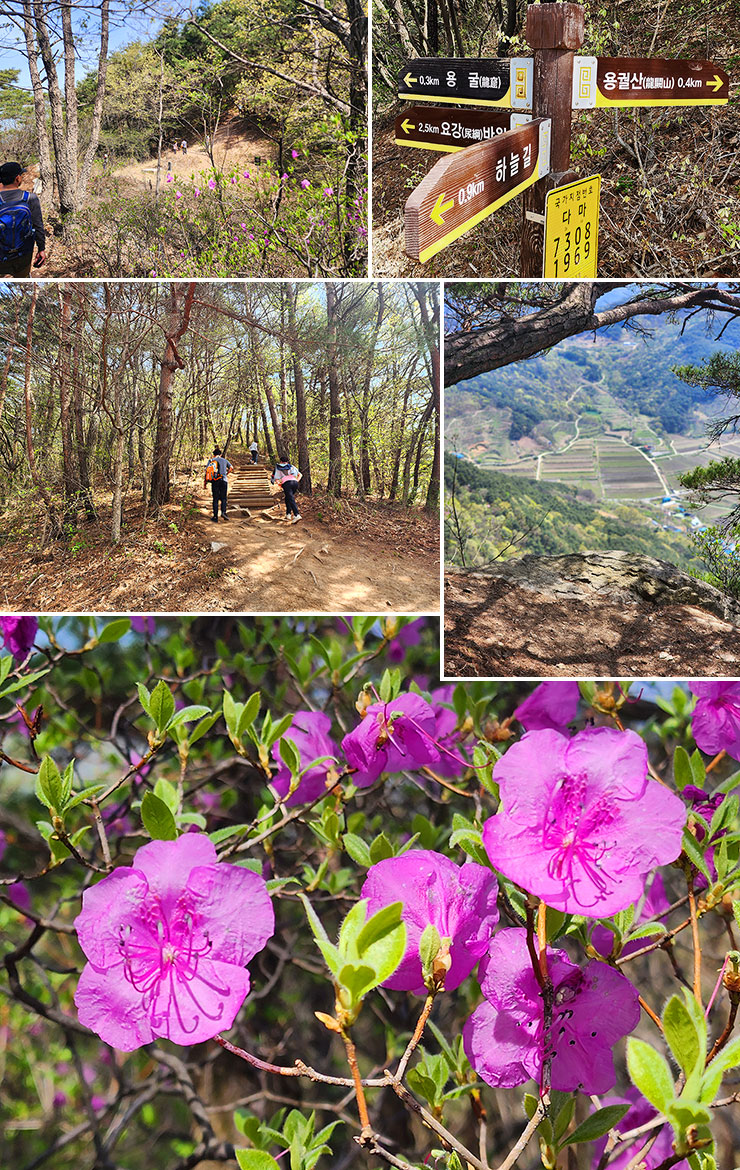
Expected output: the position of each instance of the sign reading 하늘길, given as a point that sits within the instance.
(464, 188)
(443, 129)
(638, 81)
(477, 81)
(572, 229)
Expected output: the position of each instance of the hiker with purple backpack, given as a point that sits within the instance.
(21, 224)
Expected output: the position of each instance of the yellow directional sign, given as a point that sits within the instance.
(572, 229)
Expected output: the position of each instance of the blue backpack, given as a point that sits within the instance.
(16, 229)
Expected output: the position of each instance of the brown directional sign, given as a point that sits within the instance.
(439, 128)
(481, 81)
(464, 188)
(637, 81)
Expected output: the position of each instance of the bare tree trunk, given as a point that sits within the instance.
(264, 379)
(70, 480)
(52, 517)
(46, 166)
(430, 328)
(334, 481)
(179, 307)
(304, 459)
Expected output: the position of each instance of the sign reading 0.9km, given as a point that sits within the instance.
(482, 81)
(640, 81)
(462, 189)
(572, 229)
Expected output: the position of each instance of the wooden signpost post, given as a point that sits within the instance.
(433, 128)
(464, 188)
(481, 81)
(489, 165)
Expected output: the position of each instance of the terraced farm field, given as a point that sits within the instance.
(625, 473)
(576, 466)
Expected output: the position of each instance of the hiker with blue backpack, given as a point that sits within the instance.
(21, 224)
(217, 475)
(288, 477)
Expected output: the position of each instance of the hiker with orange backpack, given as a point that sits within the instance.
(217, 475)
(21, 224)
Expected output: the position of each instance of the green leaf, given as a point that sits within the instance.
(650, 1073)
(694, 853)
(350, 930)
(167, 793)
(158, 820)
(49, 785)
(278, 730)
(682, 772)
(144, 698)
(380, 849)
(256, 1160)
(358, 979)
(378, 926)
(597, 1124)
(681, 1035)
(358, 849)
(188, 715)
(26, 680)
(161, 705)
(429, 945)
(204, 726)
(564, 1117)
(114, 630)
(698, 769)
(249, 712)
(5, 664)
(727, 1058)
(290, 755)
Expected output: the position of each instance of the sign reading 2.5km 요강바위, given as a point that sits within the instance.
(435, 128)
(572, 230)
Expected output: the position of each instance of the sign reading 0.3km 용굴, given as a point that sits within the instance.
(647, 81)
(464, 188)
(474, 81)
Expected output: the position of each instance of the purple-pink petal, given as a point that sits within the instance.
(18, 634)
(715, 720)
(460, 901)
(551, 705)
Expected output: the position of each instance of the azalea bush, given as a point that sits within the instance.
(293, 219)
(272, 894)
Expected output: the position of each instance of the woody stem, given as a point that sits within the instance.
(696, 940)
(367, 1128)
(418, 1032)
(713, 763)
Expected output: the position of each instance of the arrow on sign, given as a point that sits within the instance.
(716, 83)
(439, 207)
(409, 80)
(408, 126)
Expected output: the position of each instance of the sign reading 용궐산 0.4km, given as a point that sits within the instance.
(474, 81)
(464, 188)
(435, 128)
(647, 81)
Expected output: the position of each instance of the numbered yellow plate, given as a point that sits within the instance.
(572, 229)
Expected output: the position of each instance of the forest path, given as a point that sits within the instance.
(268, 565)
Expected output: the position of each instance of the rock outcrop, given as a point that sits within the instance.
(600, 614)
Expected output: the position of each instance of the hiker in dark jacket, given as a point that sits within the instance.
(288, 477)
(21, 224)
(217, 474)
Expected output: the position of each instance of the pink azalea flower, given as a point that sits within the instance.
(283, 177)
(168, 179)
(59, 1100)
(196, 192)
(178, 194)
(328, 190)
(233, 180)
(144, 625)
(460, 900)
(305, 183)
(294, 154)
(243, 226)
(167, 940)
(551, 704)
(392, 737)
(715, 721)
(504, 1038)
(580, 822)
(309, 732)
(408, 635)
(639, 1114)
(446, 735)
(212, 184)
(246, 174)
(18, 634)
